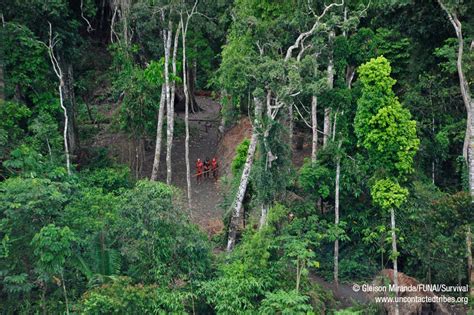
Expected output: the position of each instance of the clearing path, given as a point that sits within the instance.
(204, 138)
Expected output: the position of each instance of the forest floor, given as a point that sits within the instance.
(204, 143)
(204, 139)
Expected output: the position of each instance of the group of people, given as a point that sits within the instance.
(204, 169)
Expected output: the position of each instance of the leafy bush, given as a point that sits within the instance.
(109, 179)
(240, 156)
(156, 239)
(123, 297)
(285, 303)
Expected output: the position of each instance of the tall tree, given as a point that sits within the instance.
(452, 11)
(167, 36)
(385, 129)
(184, 26)
(159, 135)
(59, 73)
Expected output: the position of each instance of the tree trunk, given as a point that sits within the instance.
(186, 116)
(334, 126)
(314, 127)
(263, 215)
(159, 135)
(66, 123)
(327, 110)
(433, 163)
(394, 259)
(70, 104)
(65, 293)
(170, 129)
(468, 149)
(327, 126)
(169, 106)
(2, 81)
(237, 205)
(290, 127)
(336, 219)
(191, 90)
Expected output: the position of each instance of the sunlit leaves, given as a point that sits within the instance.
(383, 127)
(388, 194)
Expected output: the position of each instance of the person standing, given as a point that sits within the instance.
(215, 168)
(199, 169)
(207, 168)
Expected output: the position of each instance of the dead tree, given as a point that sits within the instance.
(244, 180)
(59, 73)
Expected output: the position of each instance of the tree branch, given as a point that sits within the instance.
(303, 36)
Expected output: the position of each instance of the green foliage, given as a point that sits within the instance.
(109, 179)
(53, 247)
(138, 89)
(382, 125)
(123, 297)
(316, 179)
(388, 194)
(259, 275)
(434, 225)
(125, 247)
(25, 60)
(240, 157)
(283, 302)
(10, 131)
(26, 206)
(156, 241)
(235, 291)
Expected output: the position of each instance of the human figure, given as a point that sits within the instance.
(207, 168)
(215, 168)
(199, 168)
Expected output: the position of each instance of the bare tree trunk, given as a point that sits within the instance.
(191, 90)
(171, 114)
(433, 163)
(159, 135)
(327, 110)
(336, 219)
(186, 115)
(237, 205)
(2, 81)
(394, 259)
(334, 126)
(125, 12)
(327, 126)
(291, 127)
(466, 96)
(170, 129)
(263, 215)
(59, 73)
(70, 101)
(65, 293)
(314, 127)
(468, 149)
(169, 111)
(66, 123)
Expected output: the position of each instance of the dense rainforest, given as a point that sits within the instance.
(341, 135)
